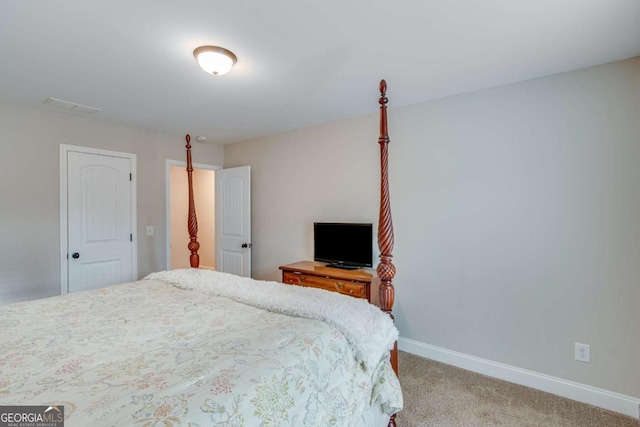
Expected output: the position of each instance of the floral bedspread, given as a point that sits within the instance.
(150, 354)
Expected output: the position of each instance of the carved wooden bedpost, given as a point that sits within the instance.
(193, 245)
(386, 270)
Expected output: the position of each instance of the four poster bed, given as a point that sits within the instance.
(196, 347)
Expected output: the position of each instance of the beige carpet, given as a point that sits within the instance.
(440, 395)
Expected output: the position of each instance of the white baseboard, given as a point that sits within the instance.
(612, 401)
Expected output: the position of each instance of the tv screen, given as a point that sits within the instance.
(344, 245)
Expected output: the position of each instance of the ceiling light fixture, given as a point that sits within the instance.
(215, 60)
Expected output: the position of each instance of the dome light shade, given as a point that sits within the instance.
(215, 60)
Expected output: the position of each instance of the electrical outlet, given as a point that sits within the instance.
(582, 352)
(150, 230)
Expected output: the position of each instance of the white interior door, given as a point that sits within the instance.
(233, 221)
(99, 206)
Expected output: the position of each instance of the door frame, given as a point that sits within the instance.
(167, 198)
(64, 266)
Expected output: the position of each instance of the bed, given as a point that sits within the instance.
(196, 347)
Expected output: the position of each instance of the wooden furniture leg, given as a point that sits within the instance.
(193, 245)
(386, 270)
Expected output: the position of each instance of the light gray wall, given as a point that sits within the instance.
(330, 173)
(516, 213)
(30, 195)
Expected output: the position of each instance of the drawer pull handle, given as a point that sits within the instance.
(339, 285)
(350, 291)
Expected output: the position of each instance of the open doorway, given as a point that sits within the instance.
(177, 212)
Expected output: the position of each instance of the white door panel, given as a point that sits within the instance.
(233, 221)
(99, 220)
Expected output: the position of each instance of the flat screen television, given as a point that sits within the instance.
(343, 245)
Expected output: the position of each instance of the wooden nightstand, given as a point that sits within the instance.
(356, 283)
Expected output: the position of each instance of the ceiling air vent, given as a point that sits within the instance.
(71, 106)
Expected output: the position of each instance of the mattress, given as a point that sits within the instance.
(176, 350)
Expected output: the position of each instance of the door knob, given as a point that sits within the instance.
(246, 245)
(75, 255)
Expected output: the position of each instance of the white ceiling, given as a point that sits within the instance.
(300, 63)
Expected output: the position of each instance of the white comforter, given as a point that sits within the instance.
(152, 353)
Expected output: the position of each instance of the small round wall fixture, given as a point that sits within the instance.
(215, 60)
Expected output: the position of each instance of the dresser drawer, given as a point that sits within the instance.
(346, 287)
